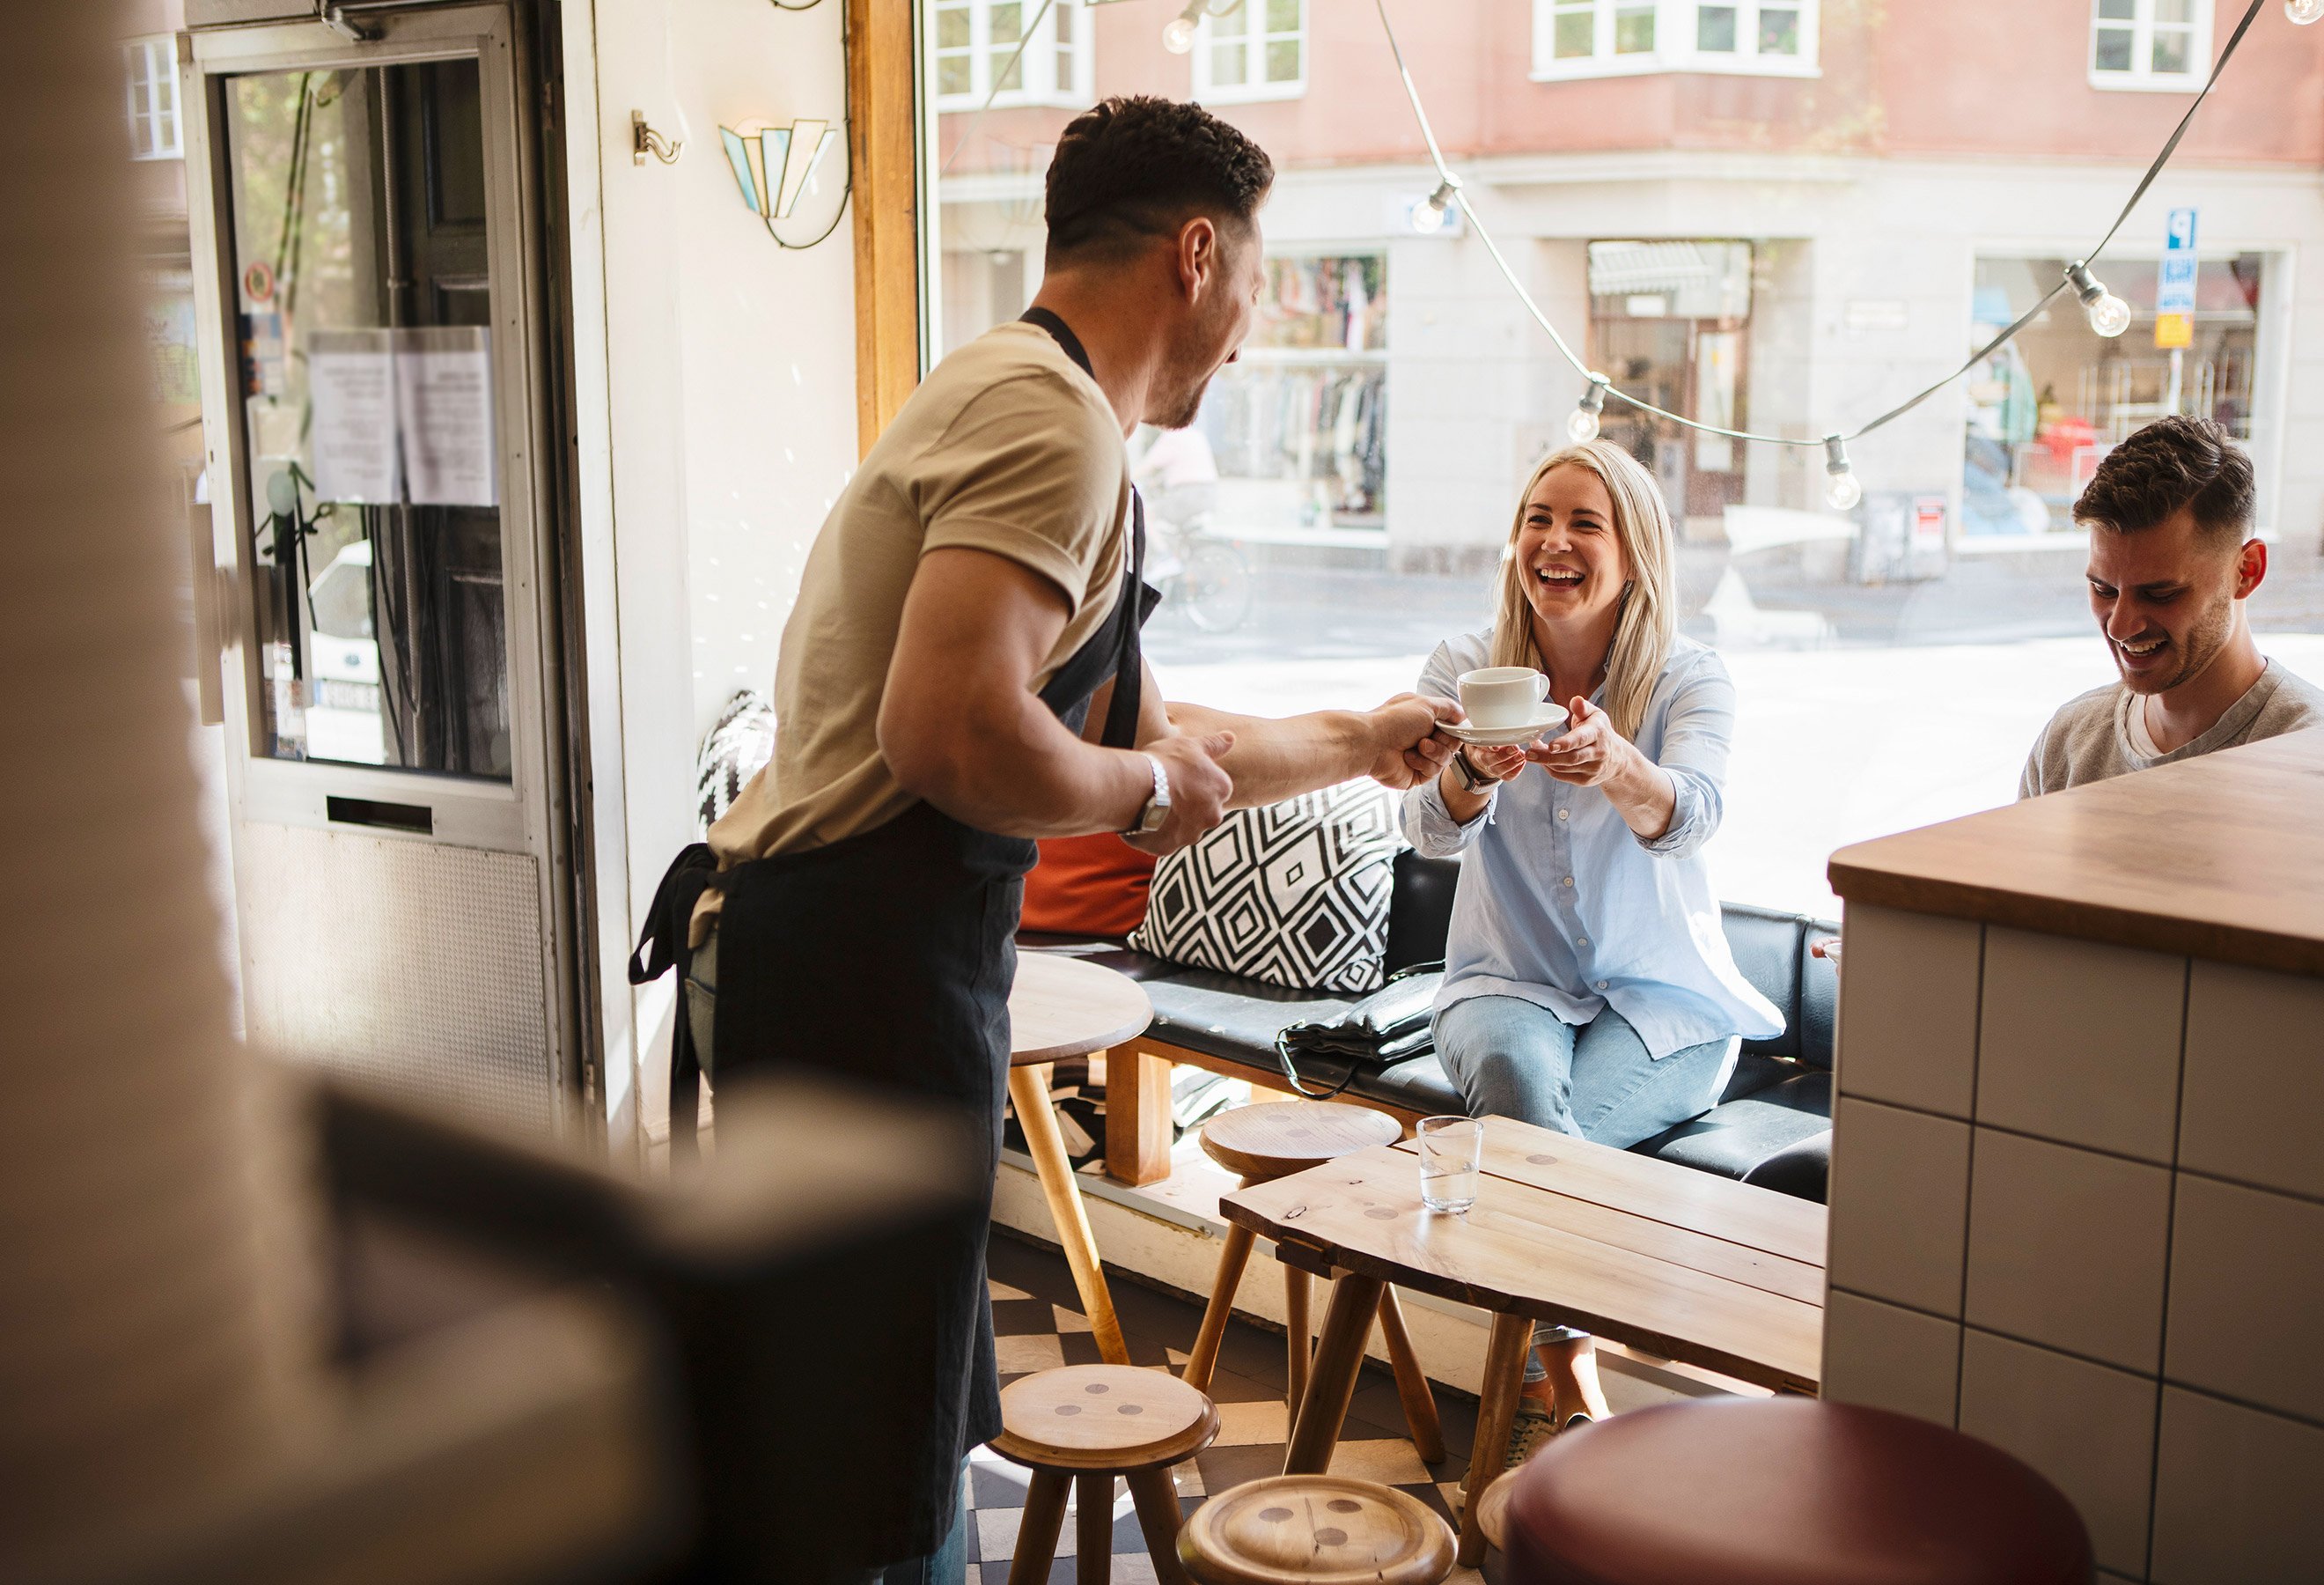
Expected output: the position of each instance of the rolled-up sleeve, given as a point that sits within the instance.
(1428, 825)
(1697, 732)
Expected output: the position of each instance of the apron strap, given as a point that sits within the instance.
(661, 946)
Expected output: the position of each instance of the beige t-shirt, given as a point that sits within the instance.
(1006, 447)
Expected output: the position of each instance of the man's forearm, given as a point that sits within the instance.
(1027, 777)
(1275, 759)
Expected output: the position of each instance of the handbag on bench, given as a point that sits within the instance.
(1386, 1027)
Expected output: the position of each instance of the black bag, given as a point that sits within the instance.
(1386, 1027)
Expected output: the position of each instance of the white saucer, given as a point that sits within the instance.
(1546, 717)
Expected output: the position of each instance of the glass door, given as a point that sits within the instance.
(364, 238)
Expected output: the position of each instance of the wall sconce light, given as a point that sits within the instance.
(774, 163)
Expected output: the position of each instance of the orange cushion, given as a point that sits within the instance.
(1088, 885)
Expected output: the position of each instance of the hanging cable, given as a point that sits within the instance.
(2102, 305)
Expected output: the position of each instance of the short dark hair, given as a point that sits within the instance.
(1136, 166)
(2172, 462)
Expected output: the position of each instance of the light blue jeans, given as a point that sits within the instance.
(1512, 1059)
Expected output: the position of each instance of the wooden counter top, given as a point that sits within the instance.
(2220, 857)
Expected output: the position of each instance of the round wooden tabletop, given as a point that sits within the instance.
(1278, 1138)
(1315, 1530)
(1066, 1007)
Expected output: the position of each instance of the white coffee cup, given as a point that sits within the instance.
(1502, 696)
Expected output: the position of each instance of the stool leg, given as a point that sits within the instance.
(1205, 1360)
(1497, 1408)
(1038, 1527)
(1029, 1092)
(1092, 1529)
(1347, 1322)
(1298, 1335)
(1157, 1519)
(1411, 1384)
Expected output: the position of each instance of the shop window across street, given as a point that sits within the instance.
(979, 48)
(1258, 50)
(152, 70)
(1598, 38)
(2162, 44)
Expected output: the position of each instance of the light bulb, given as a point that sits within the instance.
(2303, 12)
(2109, 315)
(1427, 218)
(1178, 33)
(1582, 427)
(1841, 490)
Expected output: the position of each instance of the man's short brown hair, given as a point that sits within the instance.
(1136, 168)
(2172, 462)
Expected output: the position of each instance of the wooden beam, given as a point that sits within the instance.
(882, 146)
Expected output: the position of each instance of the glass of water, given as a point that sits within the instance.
(1451, 1150)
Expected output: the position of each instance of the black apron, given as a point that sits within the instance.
(888, 959)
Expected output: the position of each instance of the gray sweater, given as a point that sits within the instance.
(2090, 737)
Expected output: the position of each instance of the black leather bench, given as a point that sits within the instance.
(1772, 1125)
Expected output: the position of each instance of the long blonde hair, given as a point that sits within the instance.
(1649, 612)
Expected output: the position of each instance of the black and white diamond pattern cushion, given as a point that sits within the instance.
(1295, 893)
(732, 753)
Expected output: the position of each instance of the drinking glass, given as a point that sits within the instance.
(1451, 1149)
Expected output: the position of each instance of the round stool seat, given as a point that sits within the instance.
(1102, 1417)
(1280, 1139)
(1785, 1492)
(1315, 1530)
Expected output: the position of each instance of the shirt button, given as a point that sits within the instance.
(1560, 814)
(1569, 880)
(1601, 984)
(1582, 941)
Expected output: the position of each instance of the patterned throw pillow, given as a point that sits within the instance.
(732, 753)
(1295, 893)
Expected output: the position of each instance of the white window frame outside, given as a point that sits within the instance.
(1675, 34)
(2142, 78)
(156, 59)
(1251, 90)
(1037, 68)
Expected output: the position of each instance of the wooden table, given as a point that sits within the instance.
(1065, 1007)
(1675, 1261)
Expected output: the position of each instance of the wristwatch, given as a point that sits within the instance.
(1472, 778)
(1157, 811)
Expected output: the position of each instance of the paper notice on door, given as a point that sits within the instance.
(443, 409)
(351, 382)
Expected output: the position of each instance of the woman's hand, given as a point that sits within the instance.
(1589, 753)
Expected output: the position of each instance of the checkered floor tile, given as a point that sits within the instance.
(1036, 1328)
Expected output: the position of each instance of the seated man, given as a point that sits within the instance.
(2172, 562)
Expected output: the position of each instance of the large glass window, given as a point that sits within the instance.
(150, 67)
(1341, 505)
(1257, 50)
(2150, 43)
(1598, 38)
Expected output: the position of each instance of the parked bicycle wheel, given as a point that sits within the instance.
(1215, 588)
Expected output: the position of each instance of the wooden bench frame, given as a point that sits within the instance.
(1138, 1131)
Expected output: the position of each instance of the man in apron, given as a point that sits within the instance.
(960, 676)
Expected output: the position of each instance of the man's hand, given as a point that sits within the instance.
(1199, 789)
(1502, 765)
(1408, 748)
(1589, 753)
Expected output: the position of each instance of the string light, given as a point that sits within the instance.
(1429, 218)
(2109, 315)
(1582, 427)
(2303, 12)
(1841, 491)
(1178, 33)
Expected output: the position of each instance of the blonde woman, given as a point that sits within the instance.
(1588, 986)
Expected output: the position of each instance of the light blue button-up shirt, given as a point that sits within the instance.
(1562, 905)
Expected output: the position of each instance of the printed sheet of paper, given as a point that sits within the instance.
(351, 382)
(444, 408)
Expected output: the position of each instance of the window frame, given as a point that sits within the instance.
(1675, 50)
(2142, 78)
(155, 57)
(1038, 67)
(1251, 90)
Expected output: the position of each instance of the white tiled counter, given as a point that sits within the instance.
(2078, 1174)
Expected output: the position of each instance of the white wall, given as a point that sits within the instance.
(716, 384)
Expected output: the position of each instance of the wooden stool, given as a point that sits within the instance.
(1263, 1143)
(1777, 1491)
(1084, 1425)
(1315, 1530)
